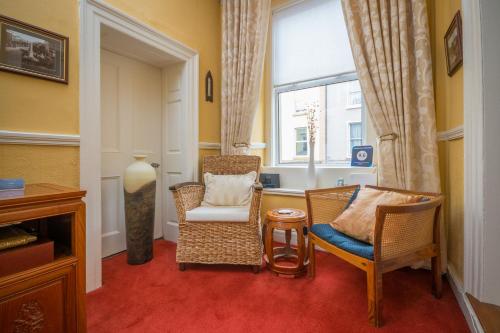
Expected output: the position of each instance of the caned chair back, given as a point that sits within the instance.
(231, 165)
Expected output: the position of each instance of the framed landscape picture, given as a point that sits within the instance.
(29, 50)
(453, 45)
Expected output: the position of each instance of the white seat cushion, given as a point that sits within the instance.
(218, 213)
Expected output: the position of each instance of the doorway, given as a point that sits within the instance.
(138, 95)
(132, 86)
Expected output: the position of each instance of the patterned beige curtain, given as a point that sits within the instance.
(391, 47)
(244, 31)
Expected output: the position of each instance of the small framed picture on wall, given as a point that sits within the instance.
(29, 50)
(453, 45)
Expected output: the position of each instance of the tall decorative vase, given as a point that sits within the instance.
(140, 195)
(311, 168)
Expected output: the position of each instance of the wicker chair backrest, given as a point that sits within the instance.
(231, 165)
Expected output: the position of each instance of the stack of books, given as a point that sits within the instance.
(11, 187)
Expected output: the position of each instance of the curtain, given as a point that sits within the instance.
(244, 32)
(391, 48)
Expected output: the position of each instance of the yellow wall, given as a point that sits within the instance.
(449, 113)
(35, 105)
(30, 104)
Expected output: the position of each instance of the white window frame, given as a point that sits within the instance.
(275, 121)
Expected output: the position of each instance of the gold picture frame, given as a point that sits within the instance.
(453, 45)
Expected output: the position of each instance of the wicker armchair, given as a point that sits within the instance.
(404, 235)
(219, 242)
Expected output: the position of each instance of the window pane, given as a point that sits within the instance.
(355, 142)
(356, 131)
(292, 122)
(301, 134)
(310, 41)
(341, 114)
(301, 148)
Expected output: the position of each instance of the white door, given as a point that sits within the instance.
(131, 123)
(175, 158)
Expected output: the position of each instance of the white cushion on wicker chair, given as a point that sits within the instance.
(218, 214)
(228, 190)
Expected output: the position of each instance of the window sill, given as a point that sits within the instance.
(287, 192)
(293, 178)
(319, 166)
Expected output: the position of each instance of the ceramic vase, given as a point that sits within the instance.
(311, 167)
(140, 195)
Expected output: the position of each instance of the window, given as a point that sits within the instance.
(354, 97)
(301, 141)
(313, 65)
(355, 135)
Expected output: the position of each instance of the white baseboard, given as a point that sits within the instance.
(279, 236)
(463, 302)
(170, 231)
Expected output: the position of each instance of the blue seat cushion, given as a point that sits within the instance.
(327, 233)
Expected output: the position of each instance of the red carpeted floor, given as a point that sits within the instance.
(157, 297)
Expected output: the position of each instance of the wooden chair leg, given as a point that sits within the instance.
(437, 279)
(182, 266)
(311, 267)
(374, 289)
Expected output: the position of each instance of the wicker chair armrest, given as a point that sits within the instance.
(324, 205)
(257, 187)
(256, 203)
(181, 185)
(403, 229)
(187, 196)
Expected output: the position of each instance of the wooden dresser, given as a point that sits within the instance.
(48, 297)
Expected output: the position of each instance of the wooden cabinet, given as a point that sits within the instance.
(49, 297)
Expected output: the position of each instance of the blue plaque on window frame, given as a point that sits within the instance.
(362, 156)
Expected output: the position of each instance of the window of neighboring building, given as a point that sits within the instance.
(354, 97)
(301, 141)
(313, 65)
(355, 135)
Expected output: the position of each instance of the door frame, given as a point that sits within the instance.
(93, 14)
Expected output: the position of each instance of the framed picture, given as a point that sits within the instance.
(453, 45)
(29, 50)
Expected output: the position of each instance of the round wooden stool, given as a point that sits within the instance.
(285, 219)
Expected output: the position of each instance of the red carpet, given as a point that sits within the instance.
(156, 297)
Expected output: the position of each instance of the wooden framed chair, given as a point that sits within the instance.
(404, 235)
(219, 240)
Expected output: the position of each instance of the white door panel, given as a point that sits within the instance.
(174, 160)
(131, 123)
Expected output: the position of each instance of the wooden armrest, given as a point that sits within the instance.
(340, 189)
(181, 185)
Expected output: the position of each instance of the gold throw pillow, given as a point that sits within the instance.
(358, 221)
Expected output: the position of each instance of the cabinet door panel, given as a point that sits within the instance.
(42, 304)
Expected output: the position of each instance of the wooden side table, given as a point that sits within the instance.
(292, 219)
